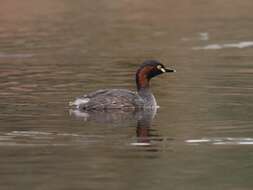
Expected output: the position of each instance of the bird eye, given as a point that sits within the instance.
(159, 67)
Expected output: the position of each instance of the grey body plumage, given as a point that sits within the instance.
(125, 99)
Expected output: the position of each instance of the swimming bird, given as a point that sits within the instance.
(107, 99)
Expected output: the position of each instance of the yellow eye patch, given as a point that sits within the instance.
(161, 68)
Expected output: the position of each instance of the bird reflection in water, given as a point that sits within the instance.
(142, 119)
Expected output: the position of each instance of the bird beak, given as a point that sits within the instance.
(168, 70)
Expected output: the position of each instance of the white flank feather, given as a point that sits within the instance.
(79, 102)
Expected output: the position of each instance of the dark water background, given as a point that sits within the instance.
(54, 50)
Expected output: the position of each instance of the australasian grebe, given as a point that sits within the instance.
(125, 99)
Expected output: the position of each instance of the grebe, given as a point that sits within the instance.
(125, 99)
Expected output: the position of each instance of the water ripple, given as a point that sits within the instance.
(222, 141)
(16, 55)
(240, 45)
